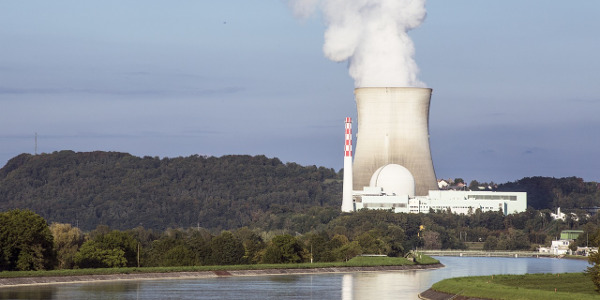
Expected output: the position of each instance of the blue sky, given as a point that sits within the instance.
(516, 83)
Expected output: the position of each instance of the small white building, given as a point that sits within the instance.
(443, 184)
(560, 247)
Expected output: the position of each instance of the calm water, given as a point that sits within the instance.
(368, 285)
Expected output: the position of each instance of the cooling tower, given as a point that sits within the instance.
(393, 128)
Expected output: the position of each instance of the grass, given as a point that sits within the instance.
(474, 245)
(571, 286)
(359, 261)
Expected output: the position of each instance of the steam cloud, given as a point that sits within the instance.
(372, 35)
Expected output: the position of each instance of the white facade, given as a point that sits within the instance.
(460, 202)
(560, 247)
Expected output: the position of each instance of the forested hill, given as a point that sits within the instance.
(550, 193)
(125, 191)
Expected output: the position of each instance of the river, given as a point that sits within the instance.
(345, 286)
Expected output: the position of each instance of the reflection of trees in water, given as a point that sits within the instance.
(284, 278)
(112, 287)
(32, 292)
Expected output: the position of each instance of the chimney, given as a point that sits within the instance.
(347, 203)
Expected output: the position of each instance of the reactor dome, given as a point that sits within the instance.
(394, 179)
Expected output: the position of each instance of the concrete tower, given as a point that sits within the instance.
(393, 128)
(347, 203)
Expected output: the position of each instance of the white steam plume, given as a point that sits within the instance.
(372, 36)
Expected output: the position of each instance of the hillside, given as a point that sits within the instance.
(125, 191)
(550, 193)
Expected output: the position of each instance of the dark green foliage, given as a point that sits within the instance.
(177, 247)
(26, 242)
(108, 250)
(252, 243)
(124, 191)
(283, 249)
(547, 192)
(226, 249)
(594, 259)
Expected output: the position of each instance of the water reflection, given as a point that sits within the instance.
(407, 284)
(368, 285)
(27, 293)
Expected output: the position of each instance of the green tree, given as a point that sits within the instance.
(474, 185)
(180, 255)
(594, 259)
(491, 243)
(92, 255)
(349, 250)
(26, 242)
(253, 244)
(108, 250)
(226, 249)
(371, 242)
(67, 240)
(283, 249)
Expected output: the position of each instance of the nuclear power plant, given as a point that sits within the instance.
(393, 128)
(392, 166)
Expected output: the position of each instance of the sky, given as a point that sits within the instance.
(515, 84)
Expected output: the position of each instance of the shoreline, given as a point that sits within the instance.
(32, 281)
(435, 295)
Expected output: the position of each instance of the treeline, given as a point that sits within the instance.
(124, 191)
(550, 193)
(27, 242)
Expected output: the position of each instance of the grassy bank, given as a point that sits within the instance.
(361, 261)
(570, 286)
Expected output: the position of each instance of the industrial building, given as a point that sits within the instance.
(393, 168)
(459, 202)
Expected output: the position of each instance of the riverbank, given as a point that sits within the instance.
(569, 286)
(27, 281)
(436, 295)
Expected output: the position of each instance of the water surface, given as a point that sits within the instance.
(346, 286)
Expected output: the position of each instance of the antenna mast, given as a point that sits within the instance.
(36, 143)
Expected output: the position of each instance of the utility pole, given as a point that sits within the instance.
(35, 144)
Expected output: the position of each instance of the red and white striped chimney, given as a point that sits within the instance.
(347, 202)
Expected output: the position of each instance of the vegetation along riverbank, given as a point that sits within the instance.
(570, 286)
(357, 264)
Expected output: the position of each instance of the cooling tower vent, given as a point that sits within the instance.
(394, 179)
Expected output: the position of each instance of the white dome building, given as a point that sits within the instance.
(394, 180)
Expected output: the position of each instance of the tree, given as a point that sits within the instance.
(67, 240)
(26, 242)
(474, 185)
(226, 249)
(371, 242)
(490, 243)
(283, 249)
(594, 259)
(431, 240)
(92, 255)
(108, 250)
(179, 256)
(253, 244)
(349, 250)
